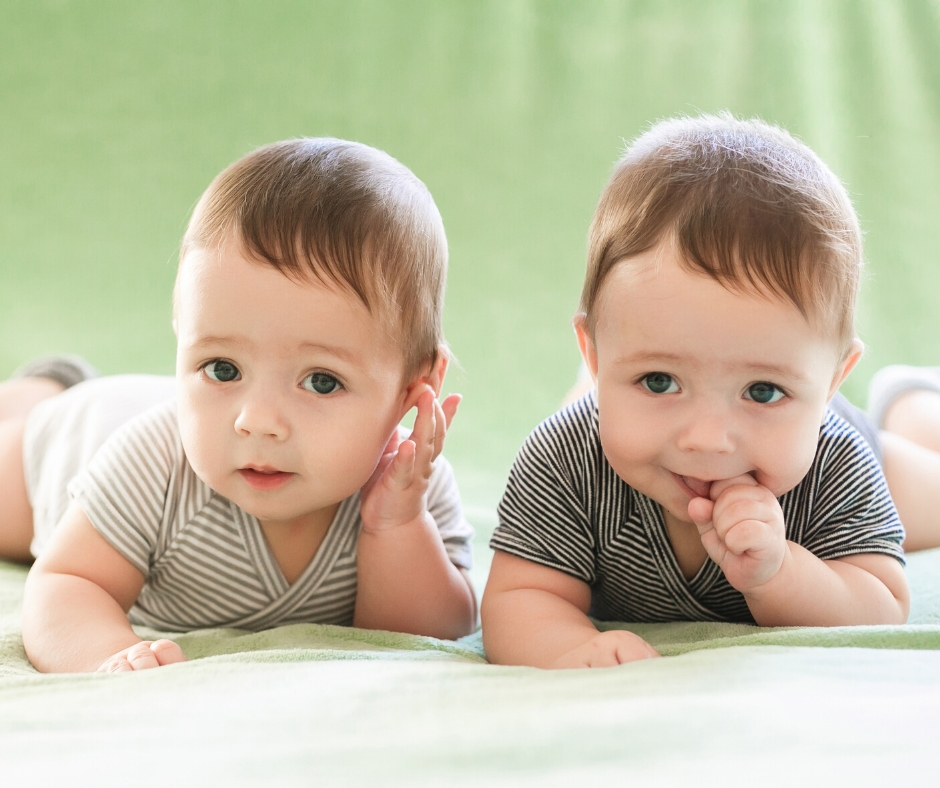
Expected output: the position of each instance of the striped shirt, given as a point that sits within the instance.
(566, 508)
(205, 561)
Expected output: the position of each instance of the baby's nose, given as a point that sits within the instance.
(707, 431)
(260, 416)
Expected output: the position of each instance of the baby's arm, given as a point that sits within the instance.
(785, 584)
(535, 615)
(75, 606)
(407, 582)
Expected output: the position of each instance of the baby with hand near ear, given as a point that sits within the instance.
(268, 482)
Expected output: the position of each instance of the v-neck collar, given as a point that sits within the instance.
(685, 593)
(285, 597)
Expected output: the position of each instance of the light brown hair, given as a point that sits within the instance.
(746, 204)
(340, 213)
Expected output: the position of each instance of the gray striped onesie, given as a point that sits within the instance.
(205, 561)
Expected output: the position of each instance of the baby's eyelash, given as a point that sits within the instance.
(220, 370)
(323, 383)
(764, 392)
(659, 383)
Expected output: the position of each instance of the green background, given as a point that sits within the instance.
(114, 116)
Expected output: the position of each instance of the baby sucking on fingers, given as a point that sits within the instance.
(269, 482)
(713, 473)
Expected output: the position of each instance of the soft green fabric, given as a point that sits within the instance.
(322, 704)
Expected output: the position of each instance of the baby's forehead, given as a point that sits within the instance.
(657, 274)
(653, 301)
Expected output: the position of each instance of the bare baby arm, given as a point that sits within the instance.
(535, 615)
(784, 584)
(407, 582)
(75, 606)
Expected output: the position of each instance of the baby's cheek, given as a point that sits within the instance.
(784, 469)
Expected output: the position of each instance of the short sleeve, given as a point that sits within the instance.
(124, 489)
(543, 514)
(444, 506)
(851, 511)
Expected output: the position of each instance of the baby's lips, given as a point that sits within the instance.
(698, 486)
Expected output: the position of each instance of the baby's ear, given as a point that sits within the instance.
(847, 365)
(585, 343)
(435, 378)
(432, 375)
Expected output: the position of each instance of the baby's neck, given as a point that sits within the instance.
(686, 545)
(294, 543)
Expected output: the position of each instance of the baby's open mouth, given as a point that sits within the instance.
(697, 488)
(264, 478)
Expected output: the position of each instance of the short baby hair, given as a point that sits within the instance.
(340, 213)
(746, 204)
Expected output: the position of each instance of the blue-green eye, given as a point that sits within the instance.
(764, 393)
(321, 383)
(221, 371)
(660, 383)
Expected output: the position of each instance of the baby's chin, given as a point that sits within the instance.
(680, 514)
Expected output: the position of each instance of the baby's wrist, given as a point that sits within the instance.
(381, 525)
(774, 585)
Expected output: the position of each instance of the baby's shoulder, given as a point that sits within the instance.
(569, 435)
(562, 456)
(150, 437)
(845, 475)
(842, 448)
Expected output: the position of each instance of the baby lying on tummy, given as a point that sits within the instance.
(268, 484)
(707, 478)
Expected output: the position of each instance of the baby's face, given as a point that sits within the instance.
(288, 392)
(696, 383)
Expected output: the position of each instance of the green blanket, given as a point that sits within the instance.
(298, 705)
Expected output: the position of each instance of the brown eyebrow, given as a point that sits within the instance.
(334, 350)
(638, 358)
(775, 369)
(757, 367)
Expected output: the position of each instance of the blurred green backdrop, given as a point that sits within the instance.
(116, 115)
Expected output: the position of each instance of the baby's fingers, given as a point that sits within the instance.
(745, 535)
(401, 470)
(137, 657)
(744, 480)
(425, 430)
(449, 408)
(444, 414)
(701, 510)
(440, 429)
(167, 652)
(141, 657)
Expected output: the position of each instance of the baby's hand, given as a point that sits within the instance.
(607, 649)
(142, 656)
(742, 530)
(395, 494)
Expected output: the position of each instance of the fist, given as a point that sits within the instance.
(142, 656)
(741, 527)
(607, 649)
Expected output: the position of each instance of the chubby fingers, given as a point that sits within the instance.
(167, 652)
(431, 424)
(444, 414)
(747, 516)
(449, 408)
(424, 434)
(700, 510)
(143, 656)
(717, 488)
(401, 470)
(606, 650)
